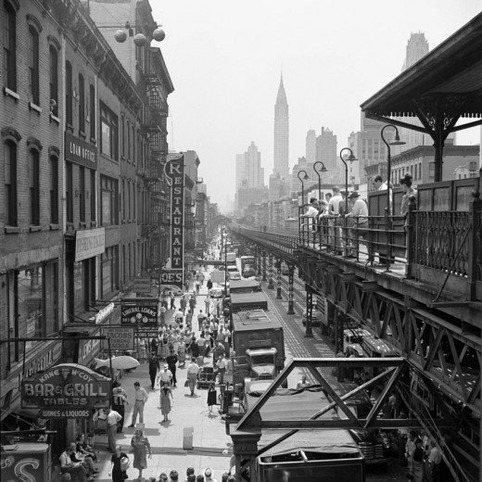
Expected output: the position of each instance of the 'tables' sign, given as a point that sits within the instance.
(67, 390)
(174, 170)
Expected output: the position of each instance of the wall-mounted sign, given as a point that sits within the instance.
(174, 170)
(88, 349)
(143, 286)
(67, 390)
(89, 243)
(103, 314)
(140, 314)
(121, 336)
(80, 152)
(171, 277)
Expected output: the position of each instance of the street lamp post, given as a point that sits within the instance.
(388, 220)
(305, 177)
(351, 158)
(322, 169)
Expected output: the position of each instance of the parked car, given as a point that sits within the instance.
(248, 272)
(315, 317)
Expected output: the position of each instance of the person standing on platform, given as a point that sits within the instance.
(119, 401)
(140, 399)
(141, 447)
(171, 363)
(165, 400)
(113, 418)
(154, 366)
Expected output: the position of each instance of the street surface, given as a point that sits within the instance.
(210, 442)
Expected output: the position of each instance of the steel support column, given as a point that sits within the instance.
(291, 273)
(309, 312)
(264, 265)
(278, 280)
(271, 273)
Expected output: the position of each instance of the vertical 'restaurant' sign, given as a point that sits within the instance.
(175, 173)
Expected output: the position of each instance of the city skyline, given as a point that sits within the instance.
(331, 63)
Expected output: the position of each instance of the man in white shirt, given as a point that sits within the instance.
(140, 397)
(165, 376)
(113, 418)
(357, 222)
(75, 469)
(312, 216)
(192, 373)
(333, 211)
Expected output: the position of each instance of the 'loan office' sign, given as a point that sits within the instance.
(144, 314)
(174, 170)
(67, 390)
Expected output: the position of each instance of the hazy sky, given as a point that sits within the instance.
(225, 58)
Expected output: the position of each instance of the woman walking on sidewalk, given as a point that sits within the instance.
(212, 395)
(141, 447)
(119, 473)
(166, 400)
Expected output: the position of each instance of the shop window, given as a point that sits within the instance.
(54, 190)
(33, 67)
(109, 201)
(54, 80)
(69, 191)
(82, 194)
(34, 187)
(9, 46)
(92, 113)
(69, 108)
(109, 132)
(81, 104)
(110, 271)
(11, 183)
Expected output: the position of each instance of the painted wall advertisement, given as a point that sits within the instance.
(28, 462)
(174, 170)
(67, 390)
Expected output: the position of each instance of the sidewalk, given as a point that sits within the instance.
(166, 439)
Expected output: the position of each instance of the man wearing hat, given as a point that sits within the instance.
(357, 222)
(165, 376)
(312, 215)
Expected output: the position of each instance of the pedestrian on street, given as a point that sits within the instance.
(198, 286)
(192, 374)
(113, 418)
(183, 304)
(171, 363)
(209, 284)
(207, 305)
(165, 376)
(163, 315)
(154, 366)
(221, 367)
(118, 474)
(173, 476)
(141, 447)
(140, 399)
(192, 302)
(200, 319)
(166, 400)
(119, 401)
(212, 396)
(189, 315)
(173, 300)
(208, 475)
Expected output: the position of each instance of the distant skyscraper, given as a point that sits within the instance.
(281, 133)
(240, 171)
(311, 146)
(417, 47)
(326, 152)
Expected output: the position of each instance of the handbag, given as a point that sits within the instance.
(124, 463)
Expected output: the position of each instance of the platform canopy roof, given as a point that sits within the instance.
(449, 78)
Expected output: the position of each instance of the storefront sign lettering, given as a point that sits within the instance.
(66, 386)
(169, 277)
(88, 349)
(121, 337)
(80, 152)
(139, 314)
(89, 243)
(174, 170)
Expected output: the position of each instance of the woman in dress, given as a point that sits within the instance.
(166, 400)
(140, 447)
(211, 397)
(164, 346)
(181, 352)
(118, 475)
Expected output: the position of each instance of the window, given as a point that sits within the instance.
(33, 65)
(109, 132)
(82, 194)
(11, 183)
(123, 194)
(123, 136)
(473, 166)
(54, 80)
(109, 271)
(9, 46)
(133, 144)
(431, 170)
(109, 196)
(129, 204)
(34, 187)
(128, 140)
(69, 191)
(54, 190)
(93, 197)
(81, 104)
(92, 112)
(69, 111)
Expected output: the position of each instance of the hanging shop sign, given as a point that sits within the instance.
(89, 243)
(88, 349)
(171, 277)
(121, 337)
(144, 314)
(143, 286)
(67, 390)
(174, 170)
